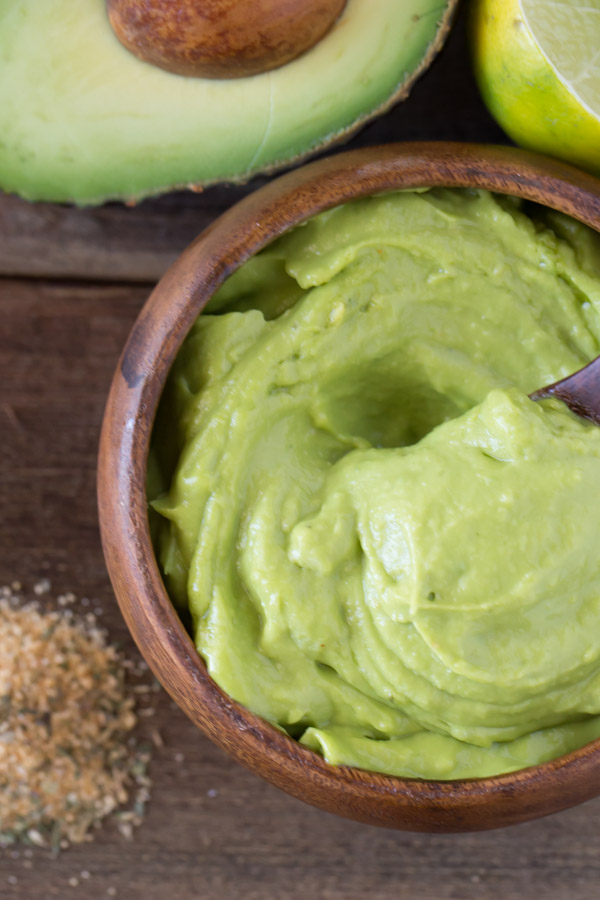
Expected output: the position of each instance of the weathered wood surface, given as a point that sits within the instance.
(213, 830)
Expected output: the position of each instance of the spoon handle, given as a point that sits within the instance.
(580, 391)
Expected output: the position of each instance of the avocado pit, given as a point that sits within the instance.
(221, 38)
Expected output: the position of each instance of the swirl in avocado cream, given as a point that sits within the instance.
(387, 549)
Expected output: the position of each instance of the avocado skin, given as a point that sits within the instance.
(83, 120)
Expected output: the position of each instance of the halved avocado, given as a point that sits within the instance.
(83, 120)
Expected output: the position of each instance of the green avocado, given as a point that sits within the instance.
(83, 120)
(386, 547)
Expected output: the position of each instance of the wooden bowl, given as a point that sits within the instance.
(243, 230)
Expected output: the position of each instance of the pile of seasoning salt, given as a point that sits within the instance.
(67, 756)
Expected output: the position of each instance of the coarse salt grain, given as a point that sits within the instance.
(42, 587)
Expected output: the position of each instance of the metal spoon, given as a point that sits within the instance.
(580, 391)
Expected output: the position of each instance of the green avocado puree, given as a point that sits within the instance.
(386, 548)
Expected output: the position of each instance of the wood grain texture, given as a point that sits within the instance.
(213, 830)
(580, 391)
(157, 335)
(117, 243)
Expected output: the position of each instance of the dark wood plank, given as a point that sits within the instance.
(213, 830)
(117, 243)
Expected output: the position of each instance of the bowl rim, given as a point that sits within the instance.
(169, 312)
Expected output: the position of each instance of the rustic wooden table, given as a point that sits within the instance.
(71, 285)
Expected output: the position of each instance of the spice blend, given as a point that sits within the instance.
(67, 711)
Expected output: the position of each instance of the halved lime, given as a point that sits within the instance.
(537, 63)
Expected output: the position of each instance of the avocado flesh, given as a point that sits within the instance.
(83, 120)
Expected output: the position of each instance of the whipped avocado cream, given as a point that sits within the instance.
(387, 549)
